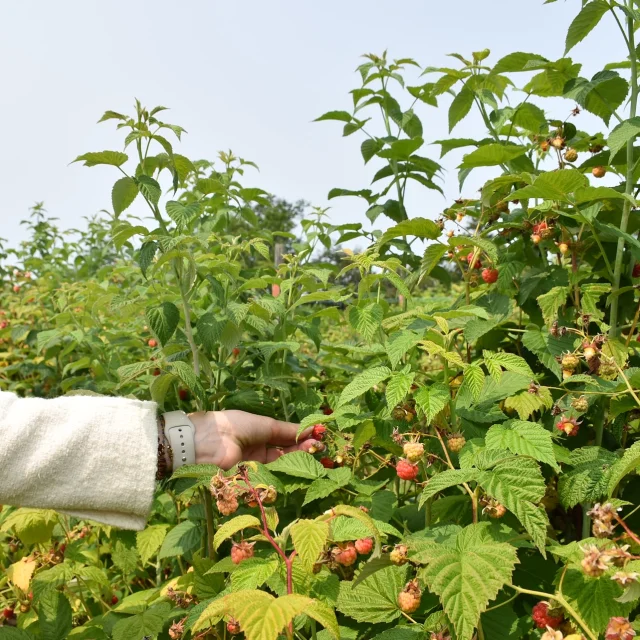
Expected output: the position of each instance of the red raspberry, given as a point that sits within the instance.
(152, 343)
(16, 288)
(318, 431)
(114, 600)
(490, 275)
(636, 270)
(241, 551)
(327, 411)
(570, 426)
(327, 463)
(477, 264)
(406, 470)
(183, 394)
(619, 628)
(233, 627)
(235, 351)
(8, 613)
(156, 372)
(346, 554)
(540, 615)
(364, 546)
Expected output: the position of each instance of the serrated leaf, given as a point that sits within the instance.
(94, 158)
(186, 374)
(523, 438)
(323, 487)
(460, 106)
(32, 526)
(398, 387)
(481, 243)
(594, 599)
(552, 185)
(374, 599)
(183, 538)
(309, 538)
(629, 462)
(123, 194)
(54, 615)
(20, 573)
(445, 480)
(508, 361)
(362, 383)
(415, 228)
(432, 256)
(490, 155)
(149, 541)
(473, 380)
(432, 400)
(622, 134)
(469, 576)
(147, 623)
(585, 22)
(588, 480)
(526, 404)
(298, 464)
(399, 344)
(253, 573)
(163, 320)
(366, 320)
(231, 527)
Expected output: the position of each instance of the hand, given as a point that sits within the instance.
(225, 438)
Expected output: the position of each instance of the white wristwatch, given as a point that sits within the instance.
(181, 434)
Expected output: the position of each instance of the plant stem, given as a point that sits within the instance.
(629, 182)
(630, 533)
(208, 511)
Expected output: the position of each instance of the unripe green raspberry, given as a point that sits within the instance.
(580, 404)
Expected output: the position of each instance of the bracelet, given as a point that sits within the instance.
(165, 453)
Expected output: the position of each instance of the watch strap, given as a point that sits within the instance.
(181, 434)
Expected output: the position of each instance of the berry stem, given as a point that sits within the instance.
(630, 533)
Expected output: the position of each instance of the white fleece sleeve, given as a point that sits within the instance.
(86, 456)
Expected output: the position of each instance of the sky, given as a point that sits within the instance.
(246, 75)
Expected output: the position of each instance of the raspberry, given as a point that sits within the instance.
(456, 442)
(268, 495)
(570, 155)
(619, 628)
(327, 411)
(490, 275)
(316, 448)
(608, 371)
(558, 142)
(226, 501)
(535, 238)
(176, 630)
(580, 404)
(544, 146)
(406, 470)
(235, 352)
(551, 634)
(241, 551)
(152, 343)
(569, 425)
(156, 372)
(589, 350)
(477, 264)
(563, 248)
(413, 451)
(233, 627)
(345, 554)
(318, 431)
(327, 463)
(399, 554)
(114, 600)
(570, 361)
(542, 618)
(599, 172)
(364, 546)
(409, 597)
(8, 613)
(398, 413)
(183, 394)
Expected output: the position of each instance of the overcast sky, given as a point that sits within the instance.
(246, 75)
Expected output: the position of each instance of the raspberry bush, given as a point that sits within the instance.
(473, 377)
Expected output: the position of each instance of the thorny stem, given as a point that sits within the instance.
(629, 181)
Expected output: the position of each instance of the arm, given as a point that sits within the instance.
(90, 457)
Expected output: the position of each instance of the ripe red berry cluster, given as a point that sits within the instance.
(364, 546)
(241, 551)
(345, 554)
(490, 275)
(406, 470)
(318, 431)
(540, 615)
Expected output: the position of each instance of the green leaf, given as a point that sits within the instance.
(125, 558)
(526, 404)
(399, 343)
(416, 227)
(523, 438)
(402, 149)
(601, 95)
(163, 320)
(263, 617)
(551, 301)
(629, 462)
(341, 116)
(445, 480)
(149, 541)
(482, 243)
(209, 330)
(54, 615)
(366, 320)
(323, 487)
(93, 158)
(469, 576)
(495, 362)
(146, 255)
(398, 387)
(123, 231)
(32, 526)
(182, 215)
(148, 623)
(589, 478)
(149, 188)
(432, 256)
(123, 194)
(432, 400)
(490, 155)
(182, 539)
(473, 381)
(298, 464)
(552, 185)
(594, 598)
(11, 633)
(460, 106)
(186, 374)
(370, 147)
(585, 22)
(454, 143)
(363, 382)
(309, 538)
(253, 572)
(520, 61)
(374, 599)
(231, 527)
(622, 134)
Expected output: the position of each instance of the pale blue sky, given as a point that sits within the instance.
(249, 75)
